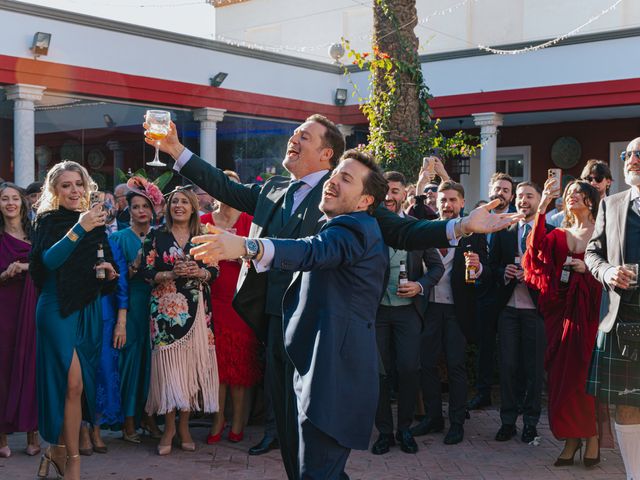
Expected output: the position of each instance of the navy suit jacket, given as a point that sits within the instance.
(328, 313)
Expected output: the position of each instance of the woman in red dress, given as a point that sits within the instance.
(236, 345)
(570, 304)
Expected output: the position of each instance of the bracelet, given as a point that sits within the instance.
(73, 236)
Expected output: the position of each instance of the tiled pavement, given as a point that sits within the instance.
(478, 457)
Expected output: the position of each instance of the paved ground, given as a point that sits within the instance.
(478, 457)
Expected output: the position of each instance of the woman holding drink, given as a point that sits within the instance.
(63, 263)
(570, 304)
(184, 372)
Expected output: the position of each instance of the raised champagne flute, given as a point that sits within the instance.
(159, 122)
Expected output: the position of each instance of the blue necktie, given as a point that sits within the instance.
(287, 205)
(523, 240)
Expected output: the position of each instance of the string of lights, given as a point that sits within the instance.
(556, 40)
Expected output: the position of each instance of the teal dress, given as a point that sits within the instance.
(135, 357)
(57, 337)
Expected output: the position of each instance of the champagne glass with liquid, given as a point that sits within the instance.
(159, 122)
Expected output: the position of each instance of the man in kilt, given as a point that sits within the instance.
(614, 375)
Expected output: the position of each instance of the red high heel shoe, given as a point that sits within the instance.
(211, 439)
(235, 437)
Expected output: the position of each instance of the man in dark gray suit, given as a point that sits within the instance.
(288, 208)
(398, 325)
(614, 376)
(328, 313)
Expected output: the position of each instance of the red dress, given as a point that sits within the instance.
(571, 314)
(236, 345)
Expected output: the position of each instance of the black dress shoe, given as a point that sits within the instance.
(529, 432)
(478, 402)
(407, 443)
(267, 444)
(506, 432)
(427, 425)
(382, 444)
(454, 435)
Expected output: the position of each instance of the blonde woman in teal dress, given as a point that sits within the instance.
(66, 237)
(131, 336)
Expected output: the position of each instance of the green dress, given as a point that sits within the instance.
(57, 336)
(135, 357)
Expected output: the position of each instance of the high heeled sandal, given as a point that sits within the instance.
(591, 462)
(165, 449)
(33, 444)
(154, 432)
(564, 462)
(47, 460)
(235, 437)
(133, 438)
(211, 438)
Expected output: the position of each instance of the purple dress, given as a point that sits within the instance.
(18, 296)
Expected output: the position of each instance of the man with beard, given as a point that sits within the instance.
(399, 322)
(450, 319)
(327, 312)
(520, 326)
(501, 187)
(614, 375)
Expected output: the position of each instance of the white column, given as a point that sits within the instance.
(346, 130)
(24, 135)
(488, 123)
(208, 118)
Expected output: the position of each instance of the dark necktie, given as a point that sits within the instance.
(525, 235)
(288, 198)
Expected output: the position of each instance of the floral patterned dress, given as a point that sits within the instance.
(184, 373)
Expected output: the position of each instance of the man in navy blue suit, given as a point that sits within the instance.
(328, 312)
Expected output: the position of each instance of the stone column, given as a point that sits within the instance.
(208, 118)
(24, 135)
(488, 123)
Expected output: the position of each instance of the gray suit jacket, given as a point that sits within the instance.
(606, 249)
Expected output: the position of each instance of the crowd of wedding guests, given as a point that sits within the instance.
(108, 322)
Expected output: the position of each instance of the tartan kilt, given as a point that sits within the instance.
(613, 378)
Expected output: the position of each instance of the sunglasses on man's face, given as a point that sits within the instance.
(624, 156)
(431, 189)
(594, 178)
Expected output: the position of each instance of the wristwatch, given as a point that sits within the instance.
(252, 247)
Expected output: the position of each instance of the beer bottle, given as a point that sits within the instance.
(101, 274)
(565, 276)
(470, 271)
(403, 278)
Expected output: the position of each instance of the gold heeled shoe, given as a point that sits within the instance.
(47, 460)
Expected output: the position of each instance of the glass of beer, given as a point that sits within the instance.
(159, 122)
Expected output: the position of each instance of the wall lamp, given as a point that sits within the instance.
(40, 45)
(108, 121)
(340, 97)
(218, 79)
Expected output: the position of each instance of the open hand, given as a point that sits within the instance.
(218, 245)
(481, 220)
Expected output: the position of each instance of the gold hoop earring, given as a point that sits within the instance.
(55, 203)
